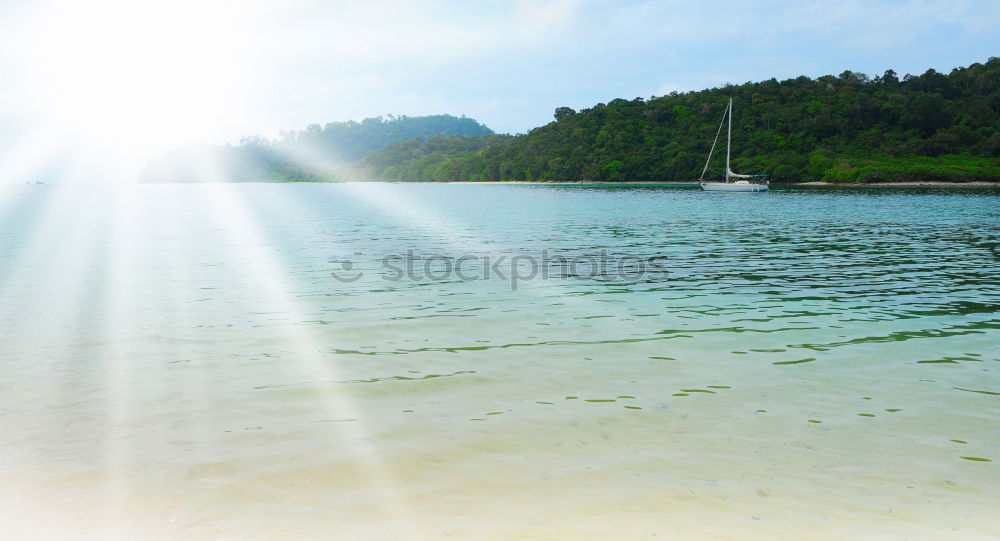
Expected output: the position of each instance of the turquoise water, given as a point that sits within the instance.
(179, 360)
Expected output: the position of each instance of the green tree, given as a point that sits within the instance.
(563, 112)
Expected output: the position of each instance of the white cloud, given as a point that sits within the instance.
(545, 13)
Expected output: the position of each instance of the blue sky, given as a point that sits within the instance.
(98, 87)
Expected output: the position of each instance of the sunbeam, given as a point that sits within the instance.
(401, 271)
(263, 269)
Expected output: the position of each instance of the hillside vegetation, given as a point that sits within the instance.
(846, 128)
(315, 153)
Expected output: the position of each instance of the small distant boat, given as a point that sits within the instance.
(733, 182)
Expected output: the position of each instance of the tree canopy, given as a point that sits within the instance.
(315, 153)
(845, 128)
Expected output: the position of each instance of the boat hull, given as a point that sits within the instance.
(732, 187)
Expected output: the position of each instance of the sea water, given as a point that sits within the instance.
(403, 361)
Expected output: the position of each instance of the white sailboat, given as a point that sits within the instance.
(733, 182)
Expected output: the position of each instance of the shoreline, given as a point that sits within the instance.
(972, 184)
(977, 183)
(927, 183)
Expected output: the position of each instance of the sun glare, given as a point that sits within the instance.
(128, 79)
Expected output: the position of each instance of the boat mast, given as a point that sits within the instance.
(729, 136)
(714, 141)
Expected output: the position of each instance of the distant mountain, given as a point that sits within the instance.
(431, 158)
(312, 154)
(846, 128)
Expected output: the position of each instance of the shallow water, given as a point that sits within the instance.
(178, 361)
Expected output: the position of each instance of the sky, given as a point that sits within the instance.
(91, 91)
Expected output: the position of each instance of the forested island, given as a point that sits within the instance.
(318, 153)
(849, 128)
